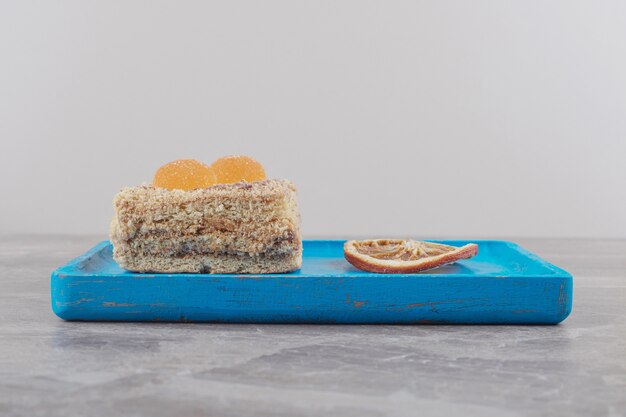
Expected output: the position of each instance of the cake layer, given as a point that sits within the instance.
(203, 244)
(221, 207)
(251, 238)
(212, 263)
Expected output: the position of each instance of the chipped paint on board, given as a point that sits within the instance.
(114, 304)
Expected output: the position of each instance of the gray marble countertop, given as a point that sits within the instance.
(53, 368)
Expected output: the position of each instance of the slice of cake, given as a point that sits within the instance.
(244, 227)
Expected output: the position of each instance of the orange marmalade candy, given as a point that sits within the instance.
(237, 168)
(184, 174)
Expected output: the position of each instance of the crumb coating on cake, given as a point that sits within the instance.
(228, 228)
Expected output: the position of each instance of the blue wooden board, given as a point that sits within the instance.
(503, 284)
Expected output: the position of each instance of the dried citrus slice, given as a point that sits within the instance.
(184, 174)
(394, 256)
(237, 168)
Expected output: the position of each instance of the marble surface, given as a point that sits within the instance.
(53, 368)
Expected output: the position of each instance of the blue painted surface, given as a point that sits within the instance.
(502, 284)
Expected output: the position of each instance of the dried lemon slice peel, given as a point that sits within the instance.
(394, 256)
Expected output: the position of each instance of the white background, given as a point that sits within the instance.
(472, 119)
